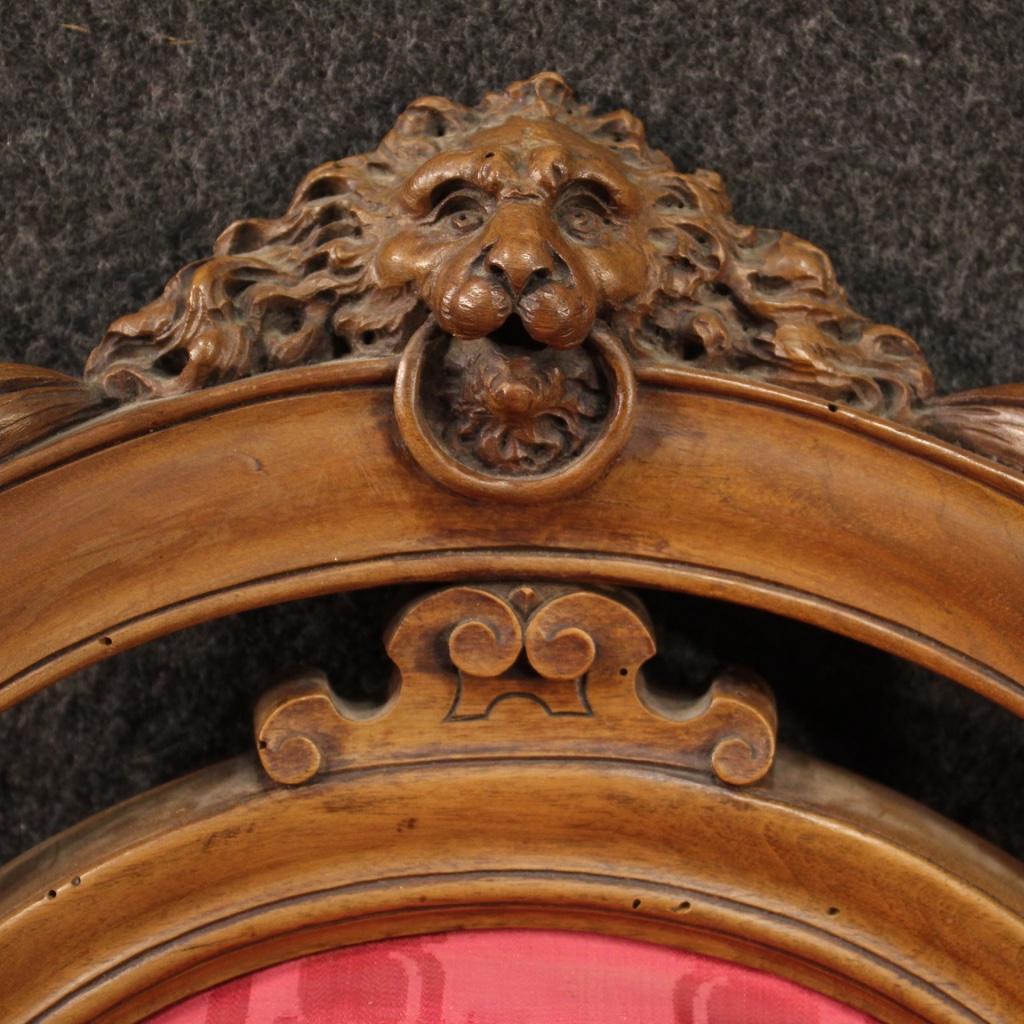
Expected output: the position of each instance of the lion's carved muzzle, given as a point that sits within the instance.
(518, 265)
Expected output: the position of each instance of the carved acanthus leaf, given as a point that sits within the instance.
(35, 403)
(986, 420)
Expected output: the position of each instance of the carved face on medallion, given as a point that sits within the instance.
(519, 240)
(524, 258)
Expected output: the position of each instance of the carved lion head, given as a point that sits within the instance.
(525, 219)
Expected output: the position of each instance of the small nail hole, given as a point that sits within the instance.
(262, 744)
(683, 907)
(636, 904)
(832, 407)
(76, 880)
(52, 894)
(106, 641)
(833, 911)
(623, 671)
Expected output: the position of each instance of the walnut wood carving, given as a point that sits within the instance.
(536, 670)
(36, 403)
(512, 343)
(524, 220)
(288, 485)
(524, 257)
(811, 874)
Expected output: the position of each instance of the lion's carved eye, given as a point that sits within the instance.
(466, 220)
(462, 212)
(583, 217)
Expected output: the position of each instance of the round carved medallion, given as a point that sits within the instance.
(504, 416)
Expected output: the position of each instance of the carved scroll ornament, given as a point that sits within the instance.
(518, 670)
(525, 258)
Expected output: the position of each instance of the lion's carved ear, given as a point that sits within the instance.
(426, 121)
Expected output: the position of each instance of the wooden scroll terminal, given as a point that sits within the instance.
(519, 670)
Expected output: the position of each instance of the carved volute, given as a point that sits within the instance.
(521, 671)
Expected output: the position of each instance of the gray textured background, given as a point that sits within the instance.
(891, 134)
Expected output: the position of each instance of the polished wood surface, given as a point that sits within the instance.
(522, 222)
(810, 874)
(291, 484)
(515, 350)
(538, 246)
(528, 670)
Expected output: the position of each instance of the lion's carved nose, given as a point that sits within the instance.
(520, 263)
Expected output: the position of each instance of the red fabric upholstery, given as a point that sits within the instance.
(509, 977)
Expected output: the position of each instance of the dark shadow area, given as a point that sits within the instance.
(870, 712)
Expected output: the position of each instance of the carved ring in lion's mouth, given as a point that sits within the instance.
(510, 405)
(504, 414)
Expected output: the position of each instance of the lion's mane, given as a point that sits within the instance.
(301, 288)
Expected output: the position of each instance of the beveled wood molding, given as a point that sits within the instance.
(810, 874)
(727, 488)
(533, 307)
(533, 670)
(524, 257)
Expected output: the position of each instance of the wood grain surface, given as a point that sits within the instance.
(544, 361)
(810, 874)
(294, 484)
(525, 671)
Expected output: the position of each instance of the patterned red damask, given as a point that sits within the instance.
(510, 977)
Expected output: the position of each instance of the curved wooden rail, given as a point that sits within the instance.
(294, 483)
(811, 874)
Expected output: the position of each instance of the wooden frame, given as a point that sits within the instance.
(279, 464)
(814, 876)
(560, 792)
